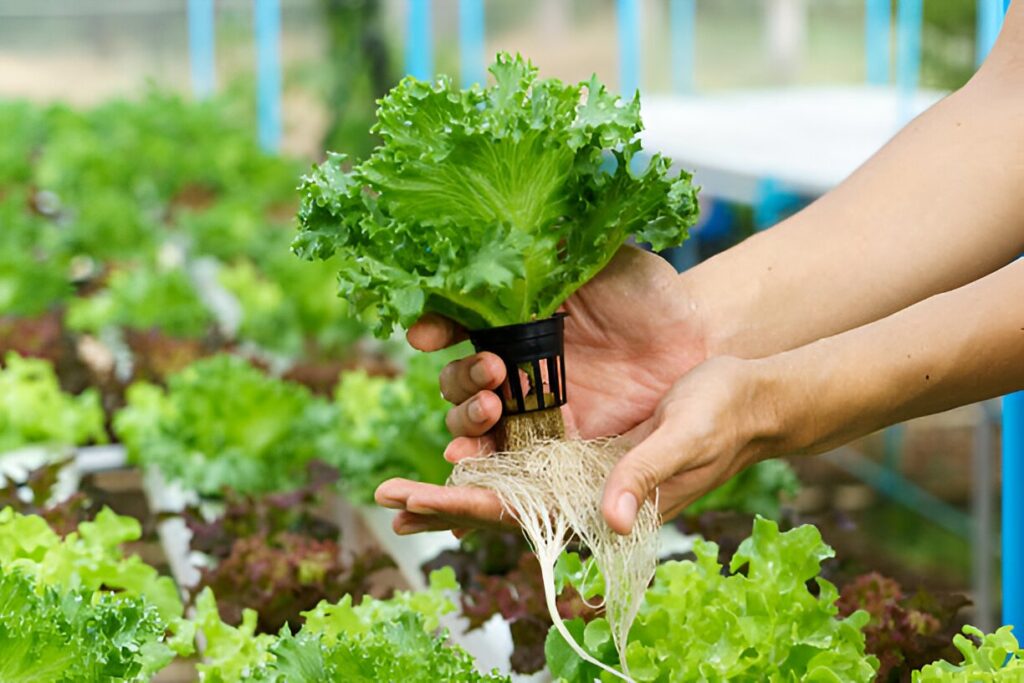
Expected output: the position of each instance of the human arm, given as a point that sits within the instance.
(934, 209)
(937, 207)
(953, 348)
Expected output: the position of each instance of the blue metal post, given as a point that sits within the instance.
(419, 48)
(1013, 511)
(990, 17)
(908, 54)
(1013, 502)
(268, 72)
(683, 22)
(200, 47)
(471, 42)
(629, 46)
(878, 40)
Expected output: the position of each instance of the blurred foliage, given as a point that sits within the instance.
(276, 555)
(361, 72)
(499, 574)
(947, 43)
(905, 631)
(107, 211)
(35, 411)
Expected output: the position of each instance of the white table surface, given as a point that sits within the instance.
(807, 139)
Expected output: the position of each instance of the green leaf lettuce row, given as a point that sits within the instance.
(222, 422)
(761, 625)
(490, 206)
(377, 640)
(144, 299)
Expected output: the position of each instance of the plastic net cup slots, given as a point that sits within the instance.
(534, 358)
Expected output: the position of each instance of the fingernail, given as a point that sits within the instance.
(413, 528)
(475, 411)
(420, 510)
(478, 373)
(392, 503)
(627, 508)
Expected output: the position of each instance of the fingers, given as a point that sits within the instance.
(476, 416)
(636, 476)
(466, 377)
(407, 523)
(433, 332)
(425, 507)
(463, 447)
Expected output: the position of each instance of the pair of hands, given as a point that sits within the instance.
(637, 362)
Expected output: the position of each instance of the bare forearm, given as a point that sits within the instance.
(937, 207)
(951, 349)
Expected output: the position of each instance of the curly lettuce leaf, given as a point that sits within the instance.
(34, 409)
(995, 658)
(59, 636)
(89, 558)
(490, 206)
(758, 622)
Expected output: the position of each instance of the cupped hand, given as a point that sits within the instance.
(630, 333)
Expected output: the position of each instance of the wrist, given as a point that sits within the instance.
(725, 307)
(815, 398)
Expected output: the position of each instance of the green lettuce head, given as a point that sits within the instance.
(490, 205)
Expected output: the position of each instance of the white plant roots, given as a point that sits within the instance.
(553, 489)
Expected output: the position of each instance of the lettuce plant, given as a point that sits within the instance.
(757, 490)
(94, 604)
(222, 422)
(391, 426)
(376, 640)
(994, 658)
(758, 622)
(276, 555)
(906, 631)
(144, 299)
(68, 635)
(34, 409)
(490, 206)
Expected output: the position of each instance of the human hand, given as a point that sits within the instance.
(630, 332)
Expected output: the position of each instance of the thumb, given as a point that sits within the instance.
(636, 476)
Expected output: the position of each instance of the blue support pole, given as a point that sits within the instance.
(201, 47)
(1013, 502)
(909, 17)
(471, 42)
(877, 40)
(629, 47)
(419, 48)
(1013, 511)
(683, 23)
(990, 18)
(268, 73)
